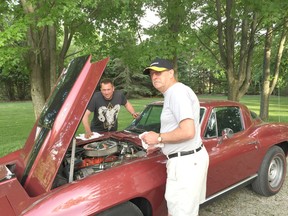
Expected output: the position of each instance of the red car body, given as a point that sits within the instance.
(54, 173)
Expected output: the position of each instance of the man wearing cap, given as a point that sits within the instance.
(188, 160)
(106, 107)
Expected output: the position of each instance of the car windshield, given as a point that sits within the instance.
(149, 120)
(61, 91)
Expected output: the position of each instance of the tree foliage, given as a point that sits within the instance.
(216, 46)
(276, 33)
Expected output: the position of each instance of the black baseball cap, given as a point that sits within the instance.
(158, 65)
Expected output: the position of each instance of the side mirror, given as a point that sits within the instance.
(227, 133)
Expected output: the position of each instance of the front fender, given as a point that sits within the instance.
(144, 178)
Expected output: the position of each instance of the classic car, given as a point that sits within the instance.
(59, 173)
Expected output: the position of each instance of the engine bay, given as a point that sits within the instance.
(95, 157)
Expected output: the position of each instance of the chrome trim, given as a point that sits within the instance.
(72, 162)
(230, 188)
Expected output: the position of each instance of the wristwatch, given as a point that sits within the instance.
(160, 139)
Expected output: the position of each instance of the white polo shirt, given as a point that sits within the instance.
(180, 102)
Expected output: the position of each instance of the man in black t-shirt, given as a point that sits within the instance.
(106, 106)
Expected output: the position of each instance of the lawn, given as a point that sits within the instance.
(17, 118)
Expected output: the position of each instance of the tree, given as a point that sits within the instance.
(271, 75)
(14, 77)
(14, 84)
(225, 29)
(235, 24)
(208, 41)
(46, 22)
(52, 26)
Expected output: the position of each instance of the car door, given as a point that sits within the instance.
(231, 158)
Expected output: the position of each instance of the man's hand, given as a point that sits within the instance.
(135, 115)
(85, 121)
(88, 134)
(150, 138)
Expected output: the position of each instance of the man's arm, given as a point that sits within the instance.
(185, 131)
(85, 122)
(130, 109)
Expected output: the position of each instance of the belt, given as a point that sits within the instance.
(178, 154)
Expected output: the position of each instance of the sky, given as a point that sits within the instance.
(149, 19)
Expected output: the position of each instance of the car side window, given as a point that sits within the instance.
(150, 119)
(228, 117)
(211, 129)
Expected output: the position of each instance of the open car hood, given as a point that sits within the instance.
(53, 132)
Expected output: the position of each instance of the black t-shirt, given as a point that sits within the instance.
(106, 111)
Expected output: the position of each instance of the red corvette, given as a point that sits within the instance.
(55, 173)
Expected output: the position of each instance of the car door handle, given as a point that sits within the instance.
(255, 142)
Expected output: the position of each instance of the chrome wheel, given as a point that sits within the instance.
(275, 172)
(272, 172)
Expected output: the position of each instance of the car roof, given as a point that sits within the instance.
(207, 103)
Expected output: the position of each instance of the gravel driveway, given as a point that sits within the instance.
(244, 202)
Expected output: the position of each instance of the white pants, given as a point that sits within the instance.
(186, 183)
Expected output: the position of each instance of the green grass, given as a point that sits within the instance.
(17, 118)
(278, 107)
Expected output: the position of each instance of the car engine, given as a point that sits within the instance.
(95, 157)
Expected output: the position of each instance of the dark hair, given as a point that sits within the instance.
(106, 81)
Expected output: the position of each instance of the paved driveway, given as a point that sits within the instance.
(244, 201)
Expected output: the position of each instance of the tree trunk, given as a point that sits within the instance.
(37, 90)
(268, 83)
(238, 69)
(68, 36)
(279, 54)
(41, 58)
(264, 106)
(232, 85)
(53, 55)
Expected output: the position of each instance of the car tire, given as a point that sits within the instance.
(272, 173)
(127, 209)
